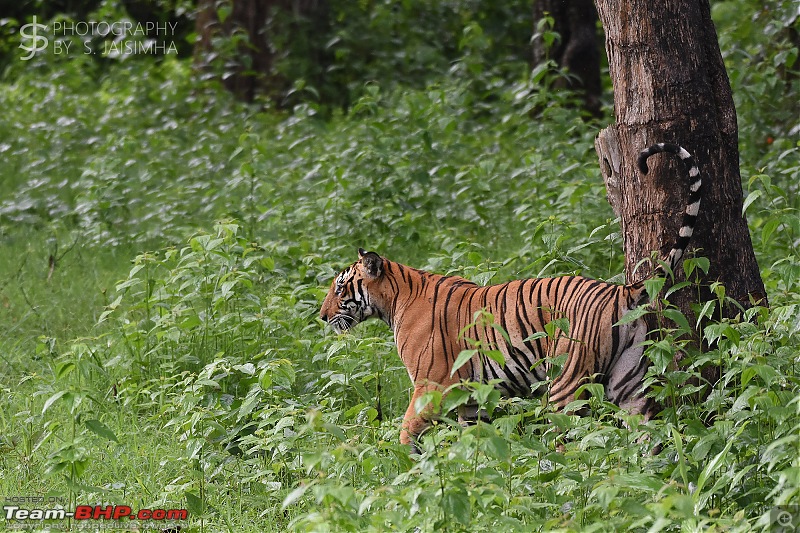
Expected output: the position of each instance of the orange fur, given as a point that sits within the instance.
(427, 313)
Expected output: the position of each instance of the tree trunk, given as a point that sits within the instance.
(670, 85)
(577, 51)
(248, 64)
(245, 41)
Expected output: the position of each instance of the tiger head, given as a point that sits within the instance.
(351, 298)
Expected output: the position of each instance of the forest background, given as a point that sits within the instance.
(172, 211)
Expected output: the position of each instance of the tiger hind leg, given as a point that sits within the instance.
(468, 414)
(625, 387)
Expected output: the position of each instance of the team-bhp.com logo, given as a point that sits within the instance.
(122, 37)
(14, 513)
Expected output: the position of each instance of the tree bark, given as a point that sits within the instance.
(578, 49)
(670, 85)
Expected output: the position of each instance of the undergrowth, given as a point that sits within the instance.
(161, 283)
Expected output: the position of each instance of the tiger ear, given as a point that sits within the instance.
(372, 262)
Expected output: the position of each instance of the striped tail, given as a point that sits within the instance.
(692, 206)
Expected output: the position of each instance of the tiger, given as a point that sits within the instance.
(432, 317)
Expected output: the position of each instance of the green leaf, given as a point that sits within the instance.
(706, 311)
(456, 504)
(227, 288)
(101, 430)
(701, 498)
(562, 421)
(498, 328)
(497, 447)
(561, 324)
(768, 229)
(52, 399)
(432, 398)
(247, 368)
(676, 287)
(190, 322)
(64, 369)
(361, 390)
(461, 360)
(752, 197)
(767, 374)
(334, 430)
(484, 278)
(236, 152)
(632, 315)
(692, 263)
(248, 404)
(265, 379)
(639, 481)
(296, 494)
(194, 504)
(193, 448)
(715, 332)
(281, 372)
(539, 72)
(284, 372)
(680, 320)
(676, 436)
(653, 287)
(661, 353)
(534, 336)
(455, 397)
(496, 356)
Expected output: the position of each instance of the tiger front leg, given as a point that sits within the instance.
(576, 371)
(415, 423)
(563, 391)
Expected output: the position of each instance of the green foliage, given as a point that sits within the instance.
(167, 251)
(763, 41)
(325, 55)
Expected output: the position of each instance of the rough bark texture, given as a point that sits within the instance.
(670, 85)
(578, 50)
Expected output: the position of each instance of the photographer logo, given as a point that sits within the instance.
(32, 41)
